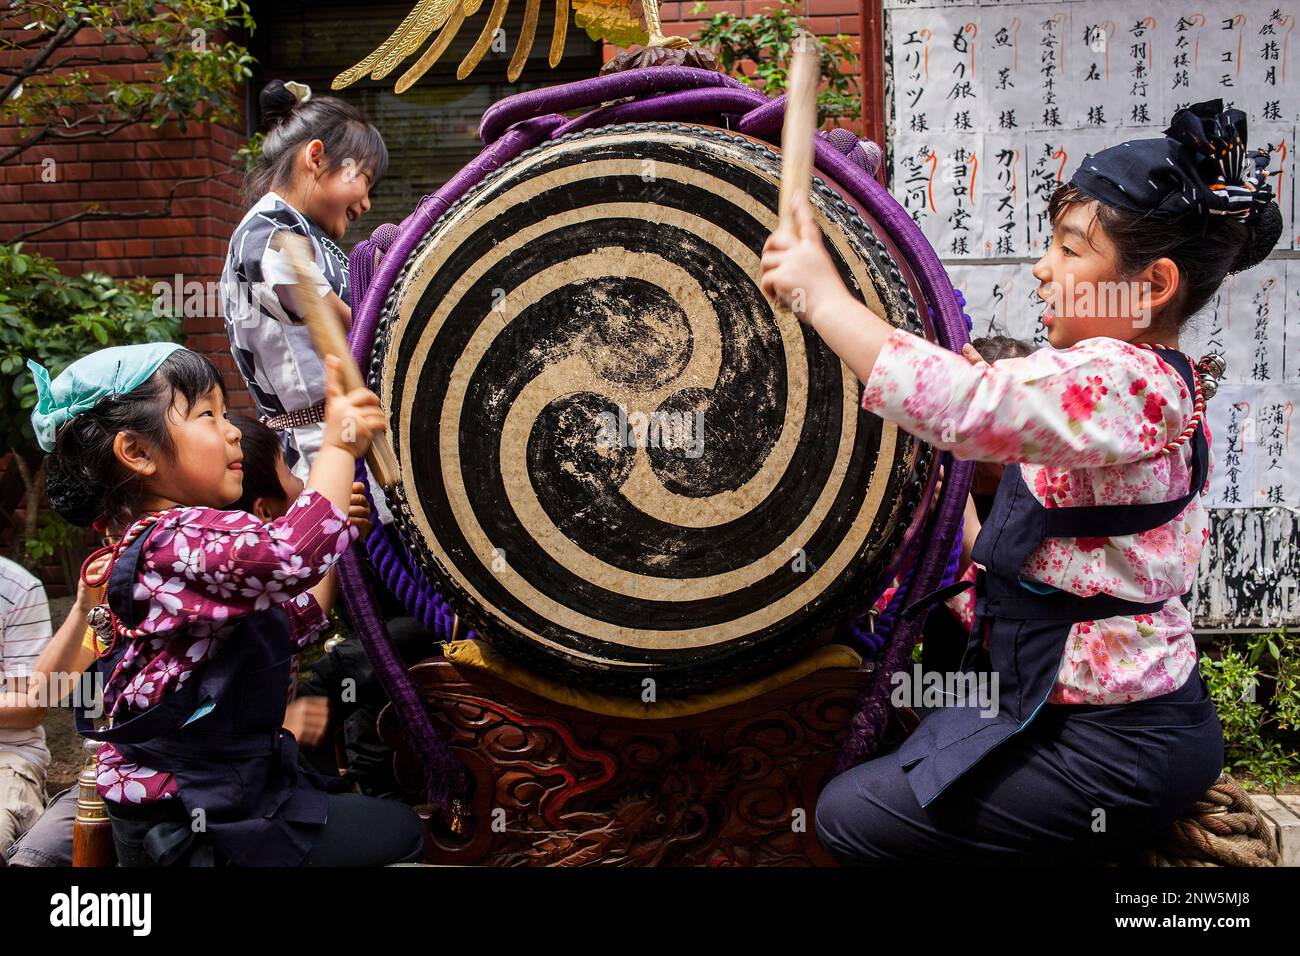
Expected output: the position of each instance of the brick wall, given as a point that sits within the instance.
(133, 173)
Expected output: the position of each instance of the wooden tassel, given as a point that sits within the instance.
(92, 830)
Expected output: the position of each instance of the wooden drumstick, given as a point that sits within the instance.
(328, 338)
(800, 128)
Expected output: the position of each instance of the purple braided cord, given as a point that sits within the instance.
(519, 122)
(668, 106)
(361, 267)
(443, 775)
(872, 636)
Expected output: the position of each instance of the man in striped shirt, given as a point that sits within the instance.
(24, 632)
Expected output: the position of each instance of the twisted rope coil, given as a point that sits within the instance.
(1223, 828)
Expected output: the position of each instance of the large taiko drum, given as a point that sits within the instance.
(618, 460)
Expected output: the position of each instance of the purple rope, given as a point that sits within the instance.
(764, 122)
(560, 99)
(668, 106)
(519, 122)
(361, 267)
(872, 636)
(443, 775)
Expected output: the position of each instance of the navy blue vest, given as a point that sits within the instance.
(221, 736)
(1027, 629)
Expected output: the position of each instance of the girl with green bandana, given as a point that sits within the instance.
(204, 609)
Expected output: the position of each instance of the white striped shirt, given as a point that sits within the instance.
(24, 632)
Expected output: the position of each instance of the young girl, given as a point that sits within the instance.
(318, 163)
(1100, 731)
(207, 606)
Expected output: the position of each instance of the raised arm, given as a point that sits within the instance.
(1101, 402)
(207, 565)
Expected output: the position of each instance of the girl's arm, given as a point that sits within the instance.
(212, 565)
(798, 274)
(67, 651)
(1101, 402)
(342, 308)
(325, 591)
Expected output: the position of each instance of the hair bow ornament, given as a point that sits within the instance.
(1236, 179)
(301, 91)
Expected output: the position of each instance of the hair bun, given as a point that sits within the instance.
(77, 500)
(1263, 230)
(276, 102)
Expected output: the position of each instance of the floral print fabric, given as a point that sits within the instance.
(1088, 426)
(201, 571)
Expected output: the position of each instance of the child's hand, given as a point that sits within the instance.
(359, 510)
(307, 719)
(351, 420)
(970, 354)
(88, 597)
(797, 271)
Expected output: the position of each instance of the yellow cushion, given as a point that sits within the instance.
(480, 656)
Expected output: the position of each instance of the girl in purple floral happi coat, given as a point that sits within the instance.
(208, 606)
(1085, 727)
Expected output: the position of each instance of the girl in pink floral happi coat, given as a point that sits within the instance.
(1086, 726)
(208, 606)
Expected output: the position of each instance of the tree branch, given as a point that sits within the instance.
(66, 31)
(25, 144)
(163, 213)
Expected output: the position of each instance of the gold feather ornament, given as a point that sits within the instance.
(621, 22)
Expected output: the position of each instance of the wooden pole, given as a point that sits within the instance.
(328, 338)
(797, 135)
(871, 59)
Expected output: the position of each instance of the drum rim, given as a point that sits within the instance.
(696, 669)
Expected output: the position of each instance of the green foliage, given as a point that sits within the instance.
(251, 150)
(187, 73)
(1255, 726)
(765, 40)
(56, 319)
(52, 539)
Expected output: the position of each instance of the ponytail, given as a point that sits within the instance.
(293, 118)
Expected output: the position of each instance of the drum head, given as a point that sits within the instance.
(618, 461)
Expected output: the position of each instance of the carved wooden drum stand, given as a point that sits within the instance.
(638, 482)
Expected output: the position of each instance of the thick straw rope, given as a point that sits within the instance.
(1224, 828)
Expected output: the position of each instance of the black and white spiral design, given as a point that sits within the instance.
(617, 460)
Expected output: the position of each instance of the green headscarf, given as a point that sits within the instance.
(80, 386)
